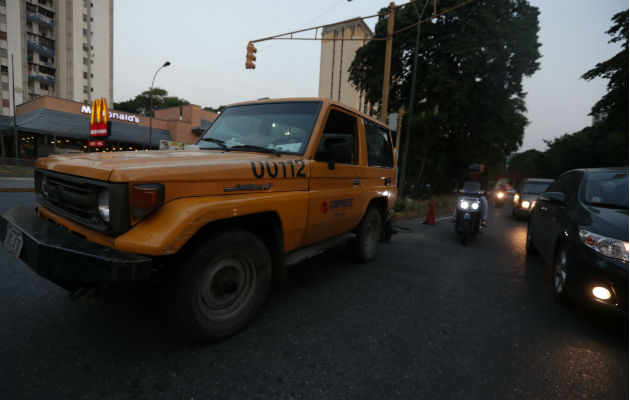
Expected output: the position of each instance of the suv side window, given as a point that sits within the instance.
(340, 128)
(379, 146)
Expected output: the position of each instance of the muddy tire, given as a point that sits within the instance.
(363, 248)
(220, 285)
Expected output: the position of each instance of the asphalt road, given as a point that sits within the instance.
(427, 319)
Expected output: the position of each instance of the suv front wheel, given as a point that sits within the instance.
(221, 285)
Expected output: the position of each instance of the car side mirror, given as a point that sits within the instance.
(339, 153)
(553, 197)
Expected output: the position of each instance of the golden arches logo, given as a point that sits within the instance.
(100, 112)
(99, 118)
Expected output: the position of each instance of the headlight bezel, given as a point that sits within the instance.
(604, 245)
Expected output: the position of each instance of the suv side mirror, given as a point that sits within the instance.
(339, 153)
(553, 197)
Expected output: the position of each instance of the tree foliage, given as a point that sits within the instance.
(469, 103)
(614, 104)
(140, 104)
(605, 144)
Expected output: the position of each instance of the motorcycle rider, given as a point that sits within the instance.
(477, 172)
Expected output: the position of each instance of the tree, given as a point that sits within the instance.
(469, 103)
(140, 103)
(216, 110)
(613, 106)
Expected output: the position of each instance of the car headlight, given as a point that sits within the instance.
(609, 247)
(103, 205)
(525, 204)
(464, 205)
(500, 195)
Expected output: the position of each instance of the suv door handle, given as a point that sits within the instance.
(356, 182)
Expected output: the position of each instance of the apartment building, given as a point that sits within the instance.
(61, 48)
(339, 44)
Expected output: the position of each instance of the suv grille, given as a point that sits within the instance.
(76, 198)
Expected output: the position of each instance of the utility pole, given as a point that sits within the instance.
(15, 134)
(403, 169)
(388, 60)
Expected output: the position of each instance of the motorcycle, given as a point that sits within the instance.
(468, 211)
(499, 197)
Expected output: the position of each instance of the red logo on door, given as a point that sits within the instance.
(324, 207)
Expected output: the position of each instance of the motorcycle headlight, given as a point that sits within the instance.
(464, 205)
(500, 195)
(609, 247)
(103, 205)
(475, 206)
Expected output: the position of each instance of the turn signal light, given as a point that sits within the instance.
(145, 198)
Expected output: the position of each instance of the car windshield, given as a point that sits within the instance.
(265, 127)
(534, 187)
(606, 189)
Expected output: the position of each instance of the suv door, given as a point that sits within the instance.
(379, 174)
(335, 198)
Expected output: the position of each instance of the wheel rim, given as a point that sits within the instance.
(560, 275)
(227, 287)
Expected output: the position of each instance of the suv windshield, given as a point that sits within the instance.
(606, 189)
(265, 127)
(534, 187)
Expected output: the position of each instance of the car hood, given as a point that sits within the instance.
(608, 222)
(176, 165)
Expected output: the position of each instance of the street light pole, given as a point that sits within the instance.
(166, 64)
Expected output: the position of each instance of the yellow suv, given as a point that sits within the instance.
(268, 185)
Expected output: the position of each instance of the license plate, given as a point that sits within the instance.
(13, 241)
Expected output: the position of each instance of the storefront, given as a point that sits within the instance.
(50, 125)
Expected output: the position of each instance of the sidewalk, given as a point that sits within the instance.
(16, 179)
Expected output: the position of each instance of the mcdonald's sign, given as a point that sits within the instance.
(99, 119)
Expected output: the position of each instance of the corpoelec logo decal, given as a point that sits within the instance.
(334, 205)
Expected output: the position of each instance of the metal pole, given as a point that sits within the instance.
(166, 64)
(403, 169)
(17, 156)
(388, 60)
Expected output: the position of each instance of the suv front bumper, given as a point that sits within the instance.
(64, 257)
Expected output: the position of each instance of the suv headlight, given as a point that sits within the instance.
(609, 247)
(103, 205)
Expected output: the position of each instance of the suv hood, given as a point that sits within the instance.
(162, 166)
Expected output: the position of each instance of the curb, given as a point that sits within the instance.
(17, 189)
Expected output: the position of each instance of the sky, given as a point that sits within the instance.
(205, 41)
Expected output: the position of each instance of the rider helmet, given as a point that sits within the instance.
(473, 167)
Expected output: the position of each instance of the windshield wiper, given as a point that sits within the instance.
(256, 148)
(217, 141)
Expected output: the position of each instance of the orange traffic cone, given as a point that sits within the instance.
(430, 219)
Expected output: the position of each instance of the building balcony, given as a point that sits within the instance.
(42, 78)
(49, 51)
(40, 19)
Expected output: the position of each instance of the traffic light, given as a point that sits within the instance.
(249, 62)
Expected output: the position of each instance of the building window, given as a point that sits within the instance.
(3, 35)
(43, 58)
(43, 86)
(5, 85)
(85, 61)
(5, 103)
(84, 18)
(84, 32)
(4, 70)
(3, 18)
(84, 75)
(85, 89)
(85, 48)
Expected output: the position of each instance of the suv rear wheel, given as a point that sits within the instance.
(363, 248)
(221, 285)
